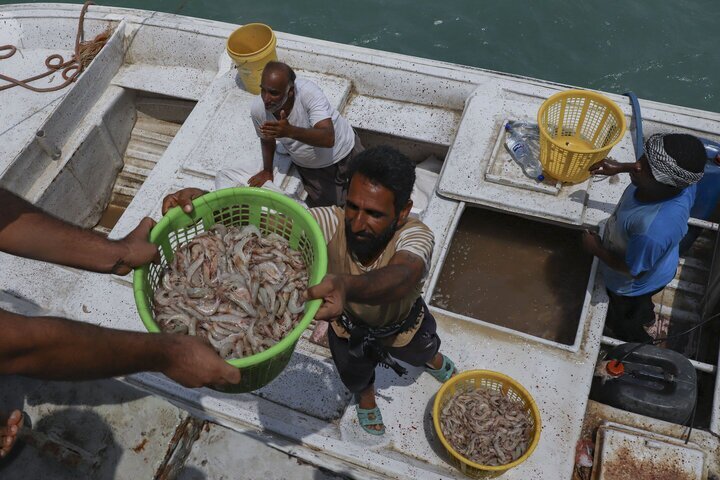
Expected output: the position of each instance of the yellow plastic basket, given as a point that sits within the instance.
(577, 129)
(471, 380)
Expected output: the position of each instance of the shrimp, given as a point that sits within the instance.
(237, 288)
(486, 426)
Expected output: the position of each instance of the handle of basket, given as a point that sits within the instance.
(638, 139)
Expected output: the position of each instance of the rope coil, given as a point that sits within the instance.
(83, 54)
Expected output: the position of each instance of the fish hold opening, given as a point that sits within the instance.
(517, 273)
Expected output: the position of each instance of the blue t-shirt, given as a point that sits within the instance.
(647, 236)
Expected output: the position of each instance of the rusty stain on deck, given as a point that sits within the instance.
(140, 446)
(624, 465)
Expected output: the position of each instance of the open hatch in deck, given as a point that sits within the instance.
(517, 273)
(156, 121)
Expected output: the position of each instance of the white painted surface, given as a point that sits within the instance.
(617, 444)
(404, 120)
(125, 430)
(180, 82)
(465, 168)
(222, 454)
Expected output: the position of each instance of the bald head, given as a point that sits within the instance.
(279, 71)
(277, 87)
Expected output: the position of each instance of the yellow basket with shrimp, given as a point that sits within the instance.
(471, 380)
(577, 129)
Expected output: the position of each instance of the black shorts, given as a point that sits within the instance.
(626, 316)
(359, 373)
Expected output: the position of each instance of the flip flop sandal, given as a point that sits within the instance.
(369, 417)
(446, 370)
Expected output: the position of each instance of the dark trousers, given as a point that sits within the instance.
(327, 186)
(627, 315)
(359, 373)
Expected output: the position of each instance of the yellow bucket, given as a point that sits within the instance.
(251, 47)
(473, 379)
(577, 129)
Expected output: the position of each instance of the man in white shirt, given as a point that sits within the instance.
(295, 112)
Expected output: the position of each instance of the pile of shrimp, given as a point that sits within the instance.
(486, 427)
(235, 287)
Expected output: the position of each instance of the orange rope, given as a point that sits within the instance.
(70, 69)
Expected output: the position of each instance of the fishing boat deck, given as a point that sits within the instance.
(422, 105)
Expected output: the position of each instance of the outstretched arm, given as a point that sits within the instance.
(60, 349)
(611, 167)
(384, 285)
(27, 231)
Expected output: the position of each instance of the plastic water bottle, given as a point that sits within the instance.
(520, 152)
(527, 130)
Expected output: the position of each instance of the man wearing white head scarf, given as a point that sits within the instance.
(639, 253)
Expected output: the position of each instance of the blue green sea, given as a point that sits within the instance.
(666, 51)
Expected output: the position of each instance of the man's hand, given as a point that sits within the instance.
(259, 179)
(591, 242)
(277, 129)
(182, 198)
(332, 291)
(193, 363)
(8, 432)
(138, 250)
(613, 167)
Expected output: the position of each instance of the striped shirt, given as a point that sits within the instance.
(416, 238)
(413, 236)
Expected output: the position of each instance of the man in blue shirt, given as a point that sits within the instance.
(639, 253)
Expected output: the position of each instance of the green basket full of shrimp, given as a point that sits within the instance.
(233, 272)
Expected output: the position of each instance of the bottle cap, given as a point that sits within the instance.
(615, 368)
(508, 127)
(541, 177)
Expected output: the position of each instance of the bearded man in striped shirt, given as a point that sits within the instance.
(378, 258)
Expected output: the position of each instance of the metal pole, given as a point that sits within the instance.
(700, 366)
(696, 222)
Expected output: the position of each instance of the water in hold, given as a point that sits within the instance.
(517, 273)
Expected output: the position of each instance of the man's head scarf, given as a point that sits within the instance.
(665, 168)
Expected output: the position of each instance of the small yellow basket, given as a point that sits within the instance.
(577, 129)
(471, 380)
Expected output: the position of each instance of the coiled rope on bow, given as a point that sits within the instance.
(82, 56)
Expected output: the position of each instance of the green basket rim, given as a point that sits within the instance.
(316, 239)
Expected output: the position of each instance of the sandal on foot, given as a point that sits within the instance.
(369, 417)
(446, 370)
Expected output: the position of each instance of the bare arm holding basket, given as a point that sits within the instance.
(61, 349)
(27, 231)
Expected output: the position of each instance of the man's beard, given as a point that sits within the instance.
(276, 107)
(366, 246)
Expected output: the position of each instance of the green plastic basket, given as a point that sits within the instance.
(271, 213)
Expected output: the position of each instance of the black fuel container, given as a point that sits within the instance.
(656, 382)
